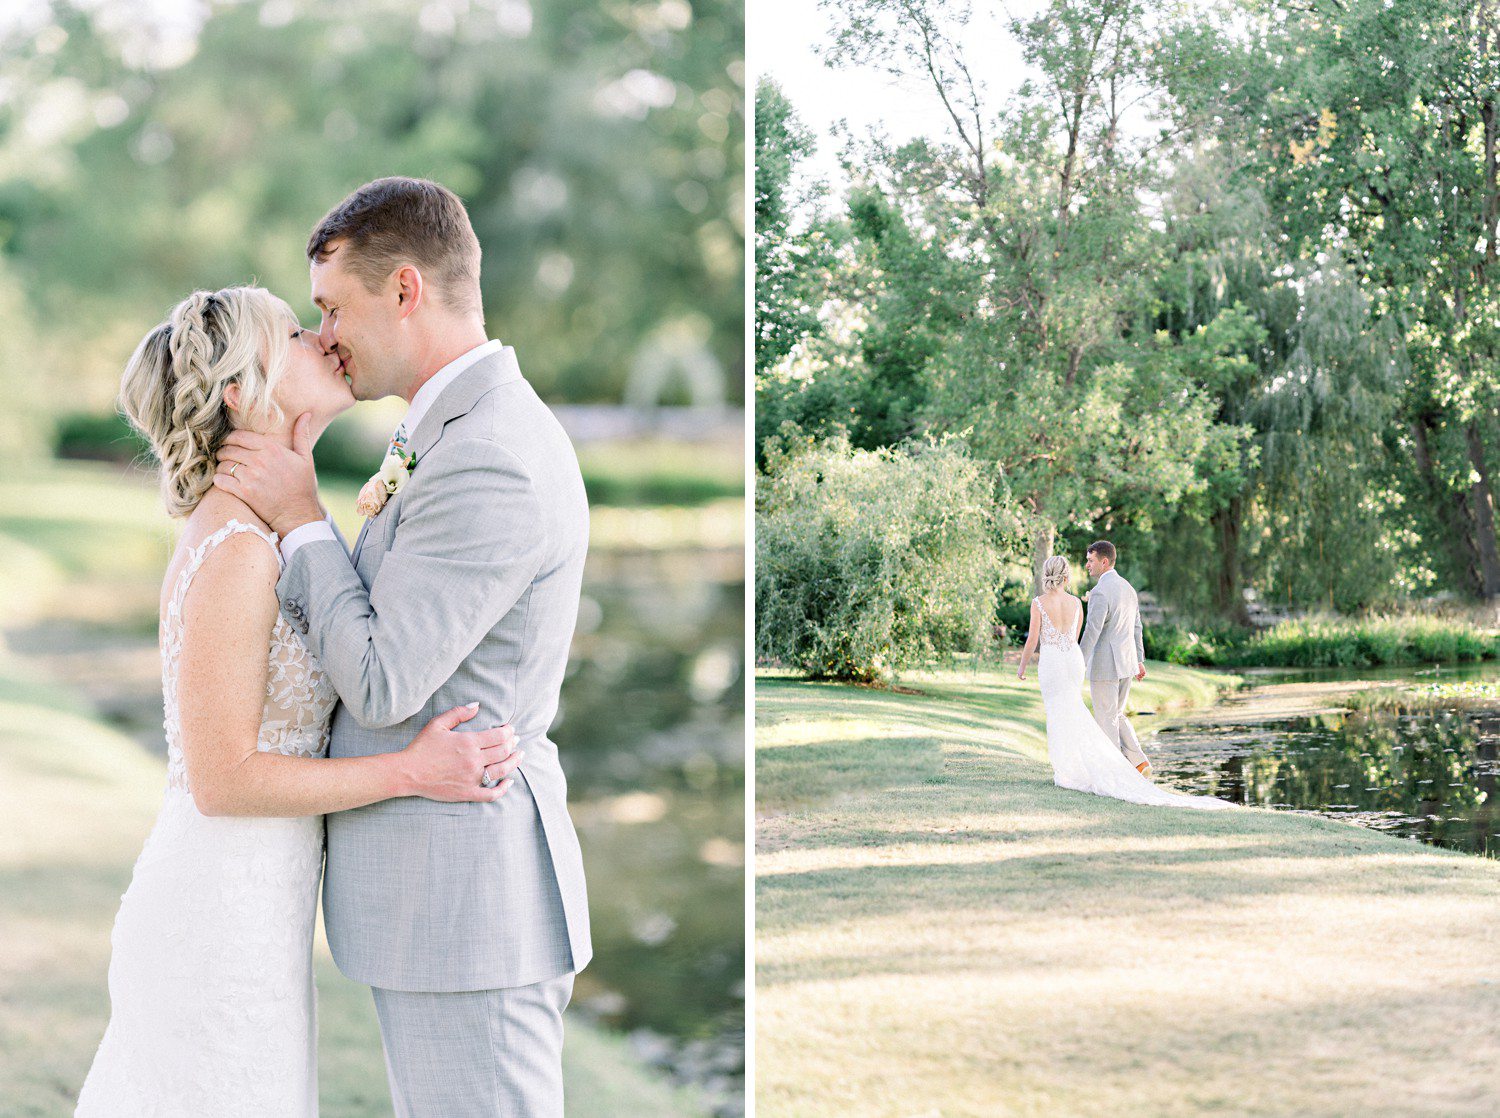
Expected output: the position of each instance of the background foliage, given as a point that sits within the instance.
(598, 148)
(1216, 283)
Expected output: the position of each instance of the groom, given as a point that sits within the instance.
(468, 920)
(1113, 652)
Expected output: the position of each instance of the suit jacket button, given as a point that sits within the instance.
(304, 628)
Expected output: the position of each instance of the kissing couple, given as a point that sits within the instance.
(1096, 753)
(397, 696)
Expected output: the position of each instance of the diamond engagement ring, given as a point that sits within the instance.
(486, 780)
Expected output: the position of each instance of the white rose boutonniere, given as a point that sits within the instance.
(388, 480)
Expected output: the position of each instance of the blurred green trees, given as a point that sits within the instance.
(599, 149)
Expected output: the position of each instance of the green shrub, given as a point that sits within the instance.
(1193, 645)
(1016, 617)
(1013, 606)
(1322, 642)
(100, 438)
(871, 562)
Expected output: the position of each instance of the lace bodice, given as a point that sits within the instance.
(299, 697)
(1052, 637)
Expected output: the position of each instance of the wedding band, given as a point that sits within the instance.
(233, 466)
(486, 780)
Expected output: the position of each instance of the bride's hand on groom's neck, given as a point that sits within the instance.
(276, 480)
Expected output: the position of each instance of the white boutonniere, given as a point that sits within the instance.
(388, 480)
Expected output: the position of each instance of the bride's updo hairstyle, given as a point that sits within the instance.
(173, 388)
(1054, 573)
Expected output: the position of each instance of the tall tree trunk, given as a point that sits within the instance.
(1452, 509)
(1041, 550)
(1481, 497)
(1229, 593)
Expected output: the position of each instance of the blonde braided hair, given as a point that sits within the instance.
(174, 384)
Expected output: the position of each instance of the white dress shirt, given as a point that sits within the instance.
(419, 406)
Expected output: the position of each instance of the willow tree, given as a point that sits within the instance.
(1301, 366)
(1374, 130)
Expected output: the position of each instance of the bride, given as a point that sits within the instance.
(210, 977)
(1082, 757)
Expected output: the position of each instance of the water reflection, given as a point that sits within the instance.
(1424, 774)
(651, 733)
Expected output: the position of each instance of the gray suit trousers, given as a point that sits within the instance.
(1109, 697)
(478, 1053)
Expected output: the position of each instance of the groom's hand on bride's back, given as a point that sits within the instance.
(277, 481)
(449, 764)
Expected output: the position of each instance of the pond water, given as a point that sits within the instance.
(1428, 771)
(651, 733)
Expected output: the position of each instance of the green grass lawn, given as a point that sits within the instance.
(77, 800)
(942, 932)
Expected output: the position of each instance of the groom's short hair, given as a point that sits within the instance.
(1102, 548)
(395, 221)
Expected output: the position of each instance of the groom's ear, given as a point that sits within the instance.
(409, 288)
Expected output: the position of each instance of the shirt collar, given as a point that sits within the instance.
(430, 391)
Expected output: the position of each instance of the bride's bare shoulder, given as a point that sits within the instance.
(215, 512)
(218, 510)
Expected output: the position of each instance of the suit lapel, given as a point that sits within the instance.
(360, 543)
(455, 400)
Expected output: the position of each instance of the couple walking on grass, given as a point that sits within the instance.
(1096, 753)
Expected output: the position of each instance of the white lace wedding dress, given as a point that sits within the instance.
(1083, 758)
(210, 979)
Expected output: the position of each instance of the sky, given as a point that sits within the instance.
(783, 40)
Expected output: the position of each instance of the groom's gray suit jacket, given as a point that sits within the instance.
(465, 587)
(1112, 643)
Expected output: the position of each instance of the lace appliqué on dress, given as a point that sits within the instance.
(1051, 637)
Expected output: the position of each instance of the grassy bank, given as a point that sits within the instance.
(78, 800)
(943, 932)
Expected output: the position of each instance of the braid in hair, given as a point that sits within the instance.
(199, 421)
(174, 385)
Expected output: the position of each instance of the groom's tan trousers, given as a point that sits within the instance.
(1109, 697)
